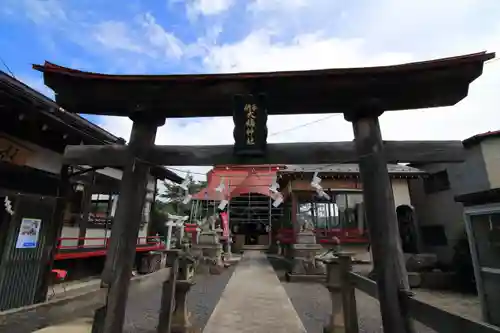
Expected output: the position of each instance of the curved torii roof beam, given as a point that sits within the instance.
(441, 82)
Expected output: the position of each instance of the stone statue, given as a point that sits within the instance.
(204, 225)
(306, 225)
(211, 221)
(407, 232)
(305, 250)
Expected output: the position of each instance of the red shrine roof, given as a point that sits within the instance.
(237, 180)
(441, 82)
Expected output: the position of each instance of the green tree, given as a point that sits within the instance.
(173, 195)
(169, 201)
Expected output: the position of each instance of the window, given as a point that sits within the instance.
(485, 228)
(351, 211)
(100, 211)
(344, 210)
(494, 224)
(322, 215)
(436, 182)
(100, 205)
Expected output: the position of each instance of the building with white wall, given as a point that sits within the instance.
(439, 216)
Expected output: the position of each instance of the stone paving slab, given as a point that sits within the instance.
(254, 301)
(82, 325)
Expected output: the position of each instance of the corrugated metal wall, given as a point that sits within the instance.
(21, 270)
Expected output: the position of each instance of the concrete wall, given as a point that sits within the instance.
(490, 149)
(469, 176)
(401, 192)
(438, 208)
(72, 232)
(479, 172)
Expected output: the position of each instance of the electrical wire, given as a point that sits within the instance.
(7, 67)
(305, 124)
(492, 60)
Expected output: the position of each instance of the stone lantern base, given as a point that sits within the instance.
(181, 314)
(304, 263)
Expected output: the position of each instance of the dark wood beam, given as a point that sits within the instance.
(120, 257)
(378, 197)
(426, 84)
(282, 153)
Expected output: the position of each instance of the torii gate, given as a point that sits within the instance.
(361, 94)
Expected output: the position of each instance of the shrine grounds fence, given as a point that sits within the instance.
(347, 281)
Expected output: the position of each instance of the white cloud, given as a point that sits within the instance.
(205, 8)
(273, 5)
(44, 11)
(312, 34)
(210, 7)
(257, 52)
(144, 37)
(159, 38)
(116, 35)
(389, 33)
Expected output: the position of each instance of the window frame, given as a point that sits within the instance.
(335, 218)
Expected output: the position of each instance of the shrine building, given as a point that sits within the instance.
(256, 222)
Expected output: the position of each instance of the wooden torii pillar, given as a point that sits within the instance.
(120, 258)
(389, 265)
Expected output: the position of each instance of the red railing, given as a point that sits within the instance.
(325, 236)
(190, 227)
(99, 245)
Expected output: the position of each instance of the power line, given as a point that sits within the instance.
(7, 67)
(492, 60)
(305, 124)
(272, 134)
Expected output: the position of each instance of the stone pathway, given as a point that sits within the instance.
(143, 306)
(254, 301)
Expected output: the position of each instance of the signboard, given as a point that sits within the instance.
(225, 224)
(250, 125)
(12, 152)
(28, 233)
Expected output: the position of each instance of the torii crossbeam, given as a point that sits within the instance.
(280, 153)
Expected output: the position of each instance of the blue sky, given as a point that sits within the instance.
(194, 36)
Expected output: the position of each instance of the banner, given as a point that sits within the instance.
(13, 153)
(28, 233)
(225, 224)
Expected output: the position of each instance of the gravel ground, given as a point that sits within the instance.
(143, 306)
(313, 305)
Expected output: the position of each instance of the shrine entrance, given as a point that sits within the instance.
(252, 216)
(361, 94)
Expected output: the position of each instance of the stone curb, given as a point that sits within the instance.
(32, 317)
